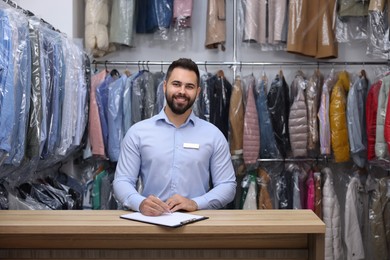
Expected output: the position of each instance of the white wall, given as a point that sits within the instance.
(68, 17)
(65, 15)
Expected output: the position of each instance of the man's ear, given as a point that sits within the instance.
(165, 86)
(199, 90)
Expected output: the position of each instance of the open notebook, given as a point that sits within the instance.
(175, 219)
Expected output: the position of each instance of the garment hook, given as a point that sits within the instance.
(162, 67)
(205, 66)
(105, 65)
(147, 65)
(139, 65)
(94, 62)
(240, 66)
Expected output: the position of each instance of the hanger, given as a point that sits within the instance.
(220, 74)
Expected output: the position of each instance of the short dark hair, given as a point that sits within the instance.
(184, 63)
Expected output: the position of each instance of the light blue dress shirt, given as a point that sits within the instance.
(114, 116)
(7, 91)
(175, 160)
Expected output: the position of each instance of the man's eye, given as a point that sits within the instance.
(176, 84)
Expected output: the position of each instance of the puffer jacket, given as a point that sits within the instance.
(313, 98)
(371, 112)
(381, 151)
(337, 118)
(251, 142)
(297, 123)
(331, 218)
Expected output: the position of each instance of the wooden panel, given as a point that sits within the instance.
(156, 241)
(154, 254)
(227, 234)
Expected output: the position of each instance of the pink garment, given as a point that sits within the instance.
(95, 128)
(310, 188)
(182, 10)
(251, 142)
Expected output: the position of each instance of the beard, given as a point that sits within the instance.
(179, 108)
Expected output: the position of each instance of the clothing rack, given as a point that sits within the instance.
(27, 12)
(240, 63)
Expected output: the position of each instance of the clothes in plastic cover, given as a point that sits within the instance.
(323, 114)
(310, 30)
(236, 117)
(15, 84)
(250, 202)
(182, 12)
(219, 92)
(313, 98)
(251, 135)
(122, 22)
(216, 24)
(96, 27)
(279, 110)
(268, 148)
(353, 7)
(371, 113)
(378, 43)
(331, 218)
(380, 220)
(338, 119)
(36, 113)
(356, 119)
(284, 189)
(264, 181)
(381, 150)
(297, 121)
(154, 15)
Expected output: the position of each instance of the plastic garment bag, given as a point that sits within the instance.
(323, 114)
(338, 119)
(332, 218)
(279, 110)
(268, 148)
(356, 119)
(251, 135)
(216, 24)
(96, 27)
(122, 22)
(380, 144)
(310, 28)
(236, 122)
(313, 98)
(297, 121)
(154, 16)
(378, 43)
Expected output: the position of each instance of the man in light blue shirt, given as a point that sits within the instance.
(177, 160)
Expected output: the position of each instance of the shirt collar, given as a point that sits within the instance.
(163, 117)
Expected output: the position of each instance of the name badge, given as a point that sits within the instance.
(190, 146)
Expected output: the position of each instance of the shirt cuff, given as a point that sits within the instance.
(134, 201)
(202, 203)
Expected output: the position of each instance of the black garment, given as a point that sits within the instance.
(279, 110)
(219, 93)
(284, 188)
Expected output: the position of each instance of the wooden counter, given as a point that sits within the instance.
(99, 234)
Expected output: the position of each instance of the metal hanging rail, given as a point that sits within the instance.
(239, 63)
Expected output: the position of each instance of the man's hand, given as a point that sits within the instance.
(153, 206)
(177, 202)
